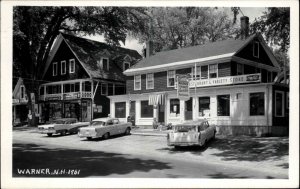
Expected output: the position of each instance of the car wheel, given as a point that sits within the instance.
(89, 138)
(127, 132)
(49, 134)
(204, 144)
(63, 133)
(106, 136)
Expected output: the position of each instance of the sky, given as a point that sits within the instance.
(131, 43)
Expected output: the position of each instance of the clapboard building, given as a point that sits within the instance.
(78, 77)
(233, 83)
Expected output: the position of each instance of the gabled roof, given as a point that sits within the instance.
(207, 53)
(17, 87)
(89, 53)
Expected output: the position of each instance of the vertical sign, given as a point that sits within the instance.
(183, 87)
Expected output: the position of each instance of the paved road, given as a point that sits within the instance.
(147, 157)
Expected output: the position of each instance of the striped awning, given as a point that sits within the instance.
(157, 99)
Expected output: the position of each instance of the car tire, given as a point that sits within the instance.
(89, 138)
(127, 131)
(49, 134)
(106, 136)
(63, 133)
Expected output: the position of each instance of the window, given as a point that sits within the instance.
(204, 106)
(204, 72)
(137, 82)
(22, 88)
(104, 89)
(239, 69)
(171, 78)
(256, 49)
(174, 107)
(213, 70)
(42, 90)
(257, 104)
(86, 86)
(120, 109)
(54, 68)
(63, 67)
(198, 72)
(72, 65)
(126, 65)
(146, 109)
(223, 105)
(279, 103)
(150, 81)
(105, 65)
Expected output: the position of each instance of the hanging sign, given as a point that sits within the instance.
(183, 87)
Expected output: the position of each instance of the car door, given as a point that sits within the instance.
(110, 127)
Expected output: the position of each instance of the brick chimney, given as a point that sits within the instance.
(244, 27)
(149, 48)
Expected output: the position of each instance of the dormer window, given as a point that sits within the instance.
(256, 49)
(54, 69)
(72, 66)
(105, 64)
(126, 65)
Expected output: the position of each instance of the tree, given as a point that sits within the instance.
(36, 28)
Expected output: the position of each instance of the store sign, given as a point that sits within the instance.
(53, 98)
(226, 80)
(183, 87)
(71, 96)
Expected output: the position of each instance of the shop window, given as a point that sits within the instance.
(174, 107)
(56, 89)
(126, 65)
(104, 89)
(257, 104)
(150, 81)
(22, 88)
(110, 89)
(120, 109)
(196, 74)
(63, 67)
(171, 78)
(204, 72)
(137, 82)
(86, 86)
(42, 90)
(67, 88)
(54, 68)
(279, 103)
(204, 106)
(146, 109)
(77, 87)
(239, 69)
(213, 70)
(72, 66)
(105, 64)
(256, 49)
(223, 105)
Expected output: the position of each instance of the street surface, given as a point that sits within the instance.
(137, 156)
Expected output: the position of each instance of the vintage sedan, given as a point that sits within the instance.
(193, 133)
(105, 127)
(62, 126)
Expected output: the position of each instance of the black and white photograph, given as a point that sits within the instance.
(149, 94)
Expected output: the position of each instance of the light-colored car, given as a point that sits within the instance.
(193, 133)
(105, 127)
(62, 126)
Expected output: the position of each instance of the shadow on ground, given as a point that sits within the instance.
(90, 163)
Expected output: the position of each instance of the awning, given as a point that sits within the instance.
(157, 99)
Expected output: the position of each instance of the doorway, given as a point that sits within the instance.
(161, 113)
(188, 109)
(132, 112)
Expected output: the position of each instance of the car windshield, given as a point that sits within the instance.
(59, 121)
(181, 128)
(97, 123)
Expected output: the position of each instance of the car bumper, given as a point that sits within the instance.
(47, 131)
(86, 134)
(184, 144)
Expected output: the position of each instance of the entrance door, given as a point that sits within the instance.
(132, 112)
(161, 113)
(188, 109)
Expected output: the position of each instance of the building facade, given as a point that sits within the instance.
(230, 82)
(20, 100)
(78, 77)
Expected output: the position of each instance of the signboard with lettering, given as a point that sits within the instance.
(69, 96)
(183, 87)
(226, 80)
(53, 98)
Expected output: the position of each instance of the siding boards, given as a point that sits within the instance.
(224, 69)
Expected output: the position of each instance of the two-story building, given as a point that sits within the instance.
(79, 75)
(230, 82)
(20, 100)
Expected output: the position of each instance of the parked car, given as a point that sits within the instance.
(62, 126)
(193, 133)
(105, 127)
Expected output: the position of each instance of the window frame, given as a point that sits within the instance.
(61, 67)
(282, 101)
(217, 69)
(218, 105)
(106, 91)
(152, 79)
(142, 116)
(207, 97)
(135, 80)
(254, 44)
(102, 63)
(237, 69)
(198, 72)
(174, 77)
(124, 65)
(71, 64)
(177, 113)
(22, 92)
(124, 109)
(264, 97)
(54, 71)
